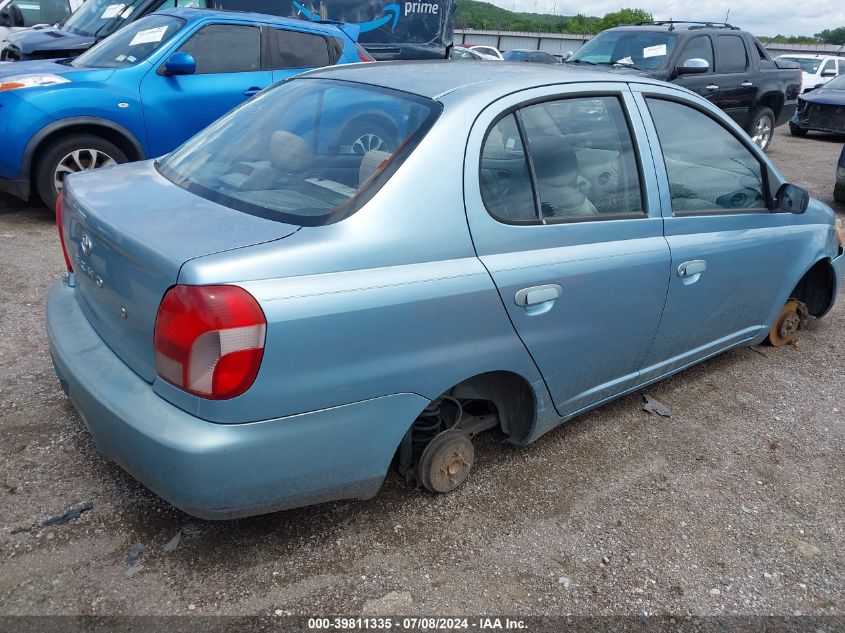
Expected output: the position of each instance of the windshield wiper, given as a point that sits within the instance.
(582, 61)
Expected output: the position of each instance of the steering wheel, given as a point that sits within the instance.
(740, 199)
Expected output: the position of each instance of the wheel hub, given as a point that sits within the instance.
(762, 132)
(446, 461)
(80, 160)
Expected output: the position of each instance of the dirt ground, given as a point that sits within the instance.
(734, 505)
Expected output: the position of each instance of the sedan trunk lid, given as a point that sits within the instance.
(126, 251)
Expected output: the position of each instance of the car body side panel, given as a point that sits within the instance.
(590, 343)
(218, 471)
(752, 259)
(392, 299)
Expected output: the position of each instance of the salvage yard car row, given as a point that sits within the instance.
(287, 319)
(371, 264)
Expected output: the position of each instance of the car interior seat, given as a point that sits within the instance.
(561, 186)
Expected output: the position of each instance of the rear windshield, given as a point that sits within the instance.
(308, 152)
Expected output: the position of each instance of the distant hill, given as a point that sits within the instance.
(483, 15)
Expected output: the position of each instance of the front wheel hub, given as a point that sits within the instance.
(80, 160)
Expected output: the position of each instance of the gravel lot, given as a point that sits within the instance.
(734, 505)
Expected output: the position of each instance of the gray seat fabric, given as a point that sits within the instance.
(371, 163)
(556, 166)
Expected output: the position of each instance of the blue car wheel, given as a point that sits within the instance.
(71, 154)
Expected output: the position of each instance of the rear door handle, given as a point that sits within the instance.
(712, 87)
(252, 91)
(692, 268)
(746, 84)
(536, 295)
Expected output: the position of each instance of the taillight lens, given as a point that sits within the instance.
(209, 340)
(62, 232)
(363, 55)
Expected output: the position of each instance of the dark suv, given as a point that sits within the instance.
(720, 62)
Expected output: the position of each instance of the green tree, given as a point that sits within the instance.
(835, 36)
(623, 16)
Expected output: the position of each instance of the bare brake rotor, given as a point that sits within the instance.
(446, 461)
(792, 315)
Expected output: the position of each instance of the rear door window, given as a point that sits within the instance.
(731, 55)
(583, 158)
(296, 49)
(225, 48)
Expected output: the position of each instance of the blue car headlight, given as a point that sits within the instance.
(31, 81)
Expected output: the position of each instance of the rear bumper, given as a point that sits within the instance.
(220, 471)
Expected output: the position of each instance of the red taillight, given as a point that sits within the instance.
(209, 340)
(62, 232)
(363, 55)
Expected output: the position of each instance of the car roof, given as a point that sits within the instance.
(192, 14)
(677, 27)
(436, 78)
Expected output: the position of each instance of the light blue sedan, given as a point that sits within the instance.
(265, 319)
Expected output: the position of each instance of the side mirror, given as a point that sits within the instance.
(180, 64)
(829, 73)
(792, 199)
(693, 66)
(566, 55)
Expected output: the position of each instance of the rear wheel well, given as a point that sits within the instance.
(125, 145)
(772, 101)
(510, 394)
(815, 289)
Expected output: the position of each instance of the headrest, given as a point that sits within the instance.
(555, 162)
(371, 162)
(289, 151)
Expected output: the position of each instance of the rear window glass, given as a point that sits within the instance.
(304, 50)
(308, 152)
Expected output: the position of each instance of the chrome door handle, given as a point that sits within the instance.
(712, 87)
(537, 294)
(252, 91)
(746, 84)
(692, 268)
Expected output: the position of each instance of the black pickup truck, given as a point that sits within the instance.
(720, 62)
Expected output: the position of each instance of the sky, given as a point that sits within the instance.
(761, 17)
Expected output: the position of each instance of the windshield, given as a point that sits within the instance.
(131, 45)
(301, 153)
(99, 17)
(810, 66)
(838, 83)
(644, 50)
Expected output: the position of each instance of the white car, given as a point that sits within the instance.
(487, 52)
(16, 15)
(815, 69)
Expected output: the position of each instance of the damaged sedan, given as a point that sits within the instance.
(821, 109)
(263, 319)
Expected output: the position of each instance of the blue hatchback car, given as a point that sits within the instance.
(263, 319)
(147, 88)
